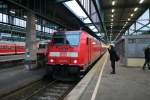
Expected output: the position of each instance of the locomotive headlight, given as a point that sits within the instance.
(51, 60)
(75, 61)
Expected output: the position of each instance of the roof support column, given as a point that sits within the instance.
(31, 45)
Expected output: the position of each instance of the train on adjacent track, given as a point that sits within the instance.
(71, 52)
(11, 48)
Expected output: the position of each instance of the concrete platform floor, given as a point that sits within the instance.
(11, 57)
(126, 84)
(17, 77)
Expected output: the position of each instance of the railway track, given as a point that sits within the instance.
(41, 90)
(54, 91)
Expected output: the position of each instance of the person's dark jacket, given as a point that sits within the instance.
(147, 53)
(112, 53)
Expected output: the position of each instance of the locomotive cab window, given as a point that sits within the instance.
(68, 38)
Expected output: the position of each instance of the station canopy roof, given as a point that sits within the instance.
(119, 15)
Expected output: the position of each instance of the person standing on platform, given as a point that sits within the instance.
(113, 58)
(147, 57)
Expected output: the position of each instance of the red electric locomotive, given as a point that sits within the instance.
(71, 52)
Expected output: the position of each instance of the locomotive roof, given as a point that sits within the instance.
(71, 31)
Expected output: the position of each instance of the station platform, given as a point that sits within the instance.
(127, 84)
(17, 77)
(12, 57)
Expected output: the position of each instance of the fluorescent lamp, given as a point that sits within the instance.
(129, 19)
(113, 10)
(141, 1)
(113, 3)
(112, 15)
(112, 19)
(135, 9)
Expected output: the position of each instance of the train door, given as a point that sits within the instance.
(89, 50)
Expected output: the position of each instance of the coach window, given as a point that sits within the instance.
(0, 46)
(12, 47)
(5, 47)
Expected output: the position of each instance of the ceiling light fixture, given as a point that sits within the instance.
(132, 15)
(141, 1)
(135, 9)
(125, 23)
(112, 15)
(25, 16)
(13, 12)
(129, 19)
(112, 19)
(113, 10)
(113, 3)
